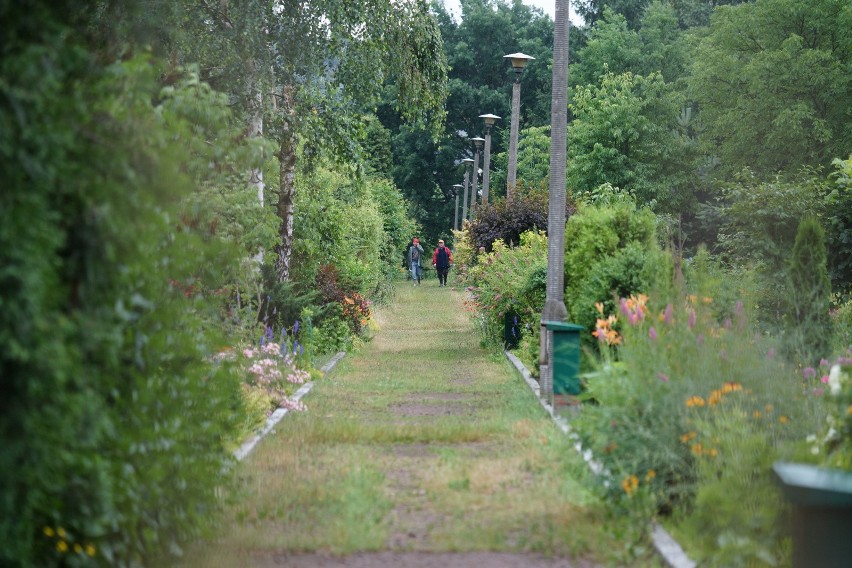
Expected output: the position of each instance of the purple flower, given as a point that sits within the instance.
(808, 373)
(727, 323)
(295, 345)
(296, 327)
(663, 377)
(691, 322)
(823, 362)
(668, 315)
(652, 333)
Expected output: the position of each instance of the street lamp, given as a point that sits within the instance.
(519, 61)
(477, 143)
(489, 119)
(467, 163)
(456, 188)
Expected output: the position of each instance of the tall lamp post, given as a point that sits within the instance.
(519, 61)
(456, 188)
(467, 163)
(489, 119)
(554, 305)
(477, 143)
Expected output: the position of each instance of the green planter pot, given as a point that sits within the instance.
(822, 513)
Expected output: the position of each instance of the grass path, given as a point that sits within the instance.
(417, 445)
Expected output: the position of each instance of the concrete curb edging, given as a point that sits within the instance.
(280, 413)
(667, 547)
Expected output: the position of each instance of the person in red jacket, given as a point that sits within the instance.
(441, 260)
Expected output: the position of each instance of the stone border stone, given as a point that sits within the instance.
(280, 413)
(667, 547)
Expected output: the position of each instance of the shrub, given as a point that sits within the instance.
(509, 281)
(506, 219)
(810, 335)
(689, 369)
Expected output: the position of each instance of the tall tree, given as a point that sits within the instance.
(330, 59)
(772, 82)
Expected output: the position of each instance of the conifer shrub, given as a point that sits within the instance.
(809, 333)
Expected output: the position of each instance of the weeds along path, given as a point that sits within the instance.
(420, 449)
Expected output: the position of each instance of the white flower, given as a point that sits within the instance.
(834, 380)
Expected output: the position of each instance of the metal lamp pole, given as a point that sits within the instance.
(489, 119)
(456, 188)
(519, 61)
(467, 163)
(477, 142)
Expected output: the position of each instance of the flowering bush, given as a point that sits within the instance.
(509, 281)
(832, 445)
(272, 369)
(696, 397)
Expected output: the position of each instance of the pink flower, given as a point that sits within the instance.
(824, 379)
(663, 377)
(808, 373)
(770, 354)
(668, 315)
(691, 322)
(652, 333)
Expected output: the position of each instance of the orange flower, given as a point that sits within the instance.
(697, 449)
(684, 438)
(650, 475)
(694, 401)
(714, 398)
(630, 484)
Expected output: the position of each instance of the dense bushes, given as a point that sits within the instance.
(114, 412)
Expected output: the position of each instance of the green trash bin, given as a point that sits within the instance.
(566, 356)
(822, 513)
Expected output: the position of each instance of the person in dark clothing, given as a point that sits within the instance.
(441, 260)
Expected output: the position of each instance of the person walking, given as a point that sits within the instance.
(415, 252)
(441, 260)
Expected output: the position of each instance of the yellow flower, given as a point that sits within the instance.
(90, 549)
(694, 401)
(684, 438)
(61, 532)
(769, 408)
(697, 449)
(707, 300)
(650, 475)
(599, 307)
(78, 549)
(712, 452)
(714, 398)
(692, 298)
(48, 531)
(62, 546)
(784, 419)
(629, 484)
(756, 414)
(849, 410)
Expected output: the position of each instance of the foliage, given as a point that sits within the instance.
(693, 387)
(809, 335)
(509, 281)
(626, 132)
(479, 81)
(772, 82)
(114, 415)
(838, 224)
(507, 219)
(831, 445)
(601, 234)
(759, 229)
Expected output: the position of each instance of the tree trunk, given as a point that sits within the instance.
(255, 127)
(286, 184)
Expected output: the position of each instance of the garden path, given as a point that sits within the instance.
(421, 449)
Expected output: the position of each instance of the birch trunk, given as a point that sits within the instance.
(287, 185)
